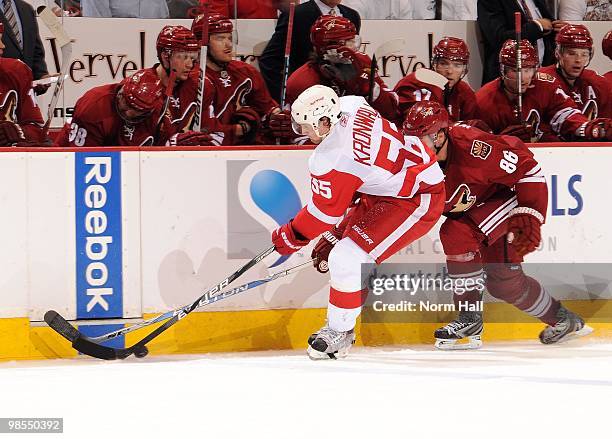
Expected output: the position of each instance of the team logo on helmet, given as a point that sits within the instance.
(481, 149)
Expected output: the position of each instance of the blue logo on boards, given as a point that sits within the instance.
(259, 200)
(99, 274)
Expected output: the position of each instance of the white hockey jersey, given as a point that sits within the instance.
(364, 153)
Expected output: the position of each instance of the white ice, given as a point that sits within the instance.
(504, 390)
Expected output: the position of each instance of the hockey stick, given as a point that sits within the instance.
(213, 299)
(519, 65)
(168, 96)
(197, 125)
(65, 43)
(287, 54)
(371, 79)
(87, 346)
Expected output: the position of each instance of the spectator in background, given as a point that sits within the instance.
(496, 22)
(458, 9)
(125, 8)
(588, 10)
(606, 47)
(248, 8)
(22, 40)
(394, 9)
(271, 60)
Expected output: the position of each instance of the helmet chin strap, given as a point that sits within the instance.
(438, 149)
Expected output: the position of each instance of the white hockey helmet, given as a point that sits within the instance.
(312, 105)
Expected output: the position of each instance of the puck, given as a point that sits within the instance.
(141, 352)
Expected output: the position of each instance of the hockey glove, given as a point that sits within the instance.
(523, 132)
(320, 253)
(287, 241)
(349, 69)
(524, 230)
(280, 125)
(11, 134)
(249, 120)
(191, 138)
(599, 129)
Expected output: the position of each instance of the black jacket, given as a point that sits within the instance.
(272, 59)
(496, 22)
(33, 53)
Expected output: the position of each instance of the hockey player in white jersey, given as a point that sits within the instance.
(374, 192)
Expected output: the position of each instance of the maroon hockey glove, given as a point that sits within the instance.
(523, 132)
(320, 253)
(287, 240)
(524, 233)
(349, 69)
(280, 125)
(250, 120)
(191, 138)
(11, 134)
(599, 129)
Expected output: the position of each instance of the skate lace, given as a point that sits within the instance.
(331, 335)
(455, 326)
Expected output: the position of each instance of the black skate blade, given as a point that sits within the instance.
(80, 342)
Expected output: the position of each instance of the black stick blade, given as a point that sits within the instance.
(79, 342)
(61, 326)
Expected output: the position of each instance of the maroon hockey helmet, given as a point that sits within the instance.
(425, 117)
(142, 91)
(606, 45)
(507, 54)
(176, 38)
(217, 24)
(454, 49)
(331, 30)
(574, 35)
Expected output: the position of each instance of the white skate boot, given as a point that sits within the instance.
(568, 327)
(327, 343)
(467, 325)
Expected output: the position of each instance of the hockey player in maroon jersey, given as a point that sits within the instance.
(124, 114)
(242, 107)
(359, 155)
(496, 204)
(116, 114)
(548, 113)
(606, 47)
(337, 64)
(21, 122)
(450, 60)
(574, 52)
(177, 53)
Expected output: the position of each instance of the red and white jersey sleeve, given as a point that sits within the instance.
(17, 102)
(366, 154)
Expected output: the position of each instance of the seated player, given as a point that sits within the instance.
(496, 204)
(240, 104)
(337, 64)
(21, 122)
(574, 52)
(124, 114)
(359, 155)
(450, 60)
(548, 113)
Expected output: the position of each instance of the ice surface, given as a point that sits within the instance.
(504, 390)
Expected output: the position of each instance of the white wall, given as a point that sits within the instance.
(188, 218)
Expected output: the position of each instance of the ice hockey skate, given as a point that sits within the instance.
(467, 326)
(569, 327)
(328, 344)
